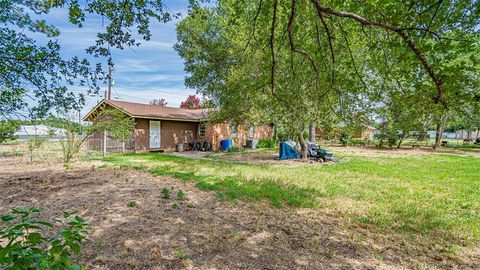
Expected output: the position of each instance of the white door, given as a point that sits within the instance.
(154, 134)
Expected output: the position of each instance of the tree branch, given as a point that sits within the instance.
(290, 35)
(400, 31)
(272, 46)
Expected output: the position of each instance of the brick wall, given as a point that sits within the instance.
(217, 132)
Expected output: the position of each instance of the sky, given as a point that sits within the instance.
(153, 70)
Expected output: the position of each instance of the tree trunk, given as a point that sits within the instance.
(311, 134)
(303, 145)
(440, 129)
(399, 143)
(478, 131)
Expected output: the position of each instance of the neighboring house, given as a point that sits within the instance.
(369, 132)
(160, 128)
(25, 132)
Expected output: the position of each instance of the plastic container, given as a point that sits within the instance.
(179, 147)
(252, 144)
(226, 144)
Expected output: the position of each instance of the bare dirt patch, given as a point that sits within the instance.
(201, 232)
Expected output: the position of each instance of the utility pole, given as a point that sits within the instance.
(109, 93)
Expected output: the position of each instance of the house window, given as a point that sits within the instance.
(233, 127)
(201, 130)
(251, 132)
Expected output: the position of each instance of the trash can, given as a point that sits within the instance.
(252, 144)
(180, 147)
(226, 144)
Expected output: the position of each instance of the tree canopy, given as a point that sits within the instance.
(295, 62)
(33, 73)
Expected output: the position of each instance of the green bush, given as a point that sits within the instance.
(25, 247)
(345, 137)
(388, 136)
(266, 143)
(236, 149)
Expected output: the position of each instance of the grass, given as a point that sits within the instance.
(436, 195)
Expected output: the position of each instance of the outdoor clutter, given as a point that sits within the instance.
(290, 150)
(197, 146)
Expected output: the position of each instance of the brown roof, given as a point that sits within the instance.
(140, 110)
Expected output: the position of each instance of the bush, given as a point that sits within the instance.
(266, 143)
(26, 248)
(345, 137)
(236, 149)
(390, 136)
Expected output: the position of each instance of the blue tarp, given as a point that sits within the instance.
(287, 151)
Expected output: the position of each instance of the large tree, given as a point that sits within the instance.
(296, 62)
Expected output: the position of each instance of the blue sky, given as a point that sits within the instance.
(153, 70)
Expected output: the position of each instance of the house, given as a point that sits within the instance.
(160, 128)
(369, 132)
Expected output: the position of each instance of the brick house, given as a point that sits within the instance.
(162, 128)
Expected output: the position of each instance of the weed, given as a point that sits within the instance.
(67, 166)
(190, 206)
(165, 193)
(181, 195)
(175, 206)
(181, 254)
(132, 204)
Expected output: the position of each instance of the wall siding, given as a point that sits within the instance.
(176, 132)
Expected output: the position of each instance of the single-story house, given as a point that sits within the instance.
(161, 128)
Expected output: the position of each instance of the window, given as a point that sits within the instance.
(201, 130)
(233, 127)
(251, 132)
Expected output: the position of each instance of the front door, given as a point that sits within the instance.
(154, 134)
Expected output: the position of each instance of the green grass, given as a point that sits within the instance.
(436, 195)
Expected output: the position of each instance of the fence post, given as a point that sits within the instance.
(104, 142)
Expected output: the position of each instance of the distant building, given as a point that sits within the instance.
(25, 132)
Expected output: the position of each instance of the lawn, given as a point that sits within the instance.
(432, 197)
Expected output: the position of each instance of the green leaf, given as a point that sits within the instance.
(8, 218)
(75, 267)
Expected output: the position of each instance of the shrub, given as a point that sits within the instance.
(266, 143)
(390, 136)
(236, 149)
(345, 137)
(34, 143)
(8, 129)
(27, 248)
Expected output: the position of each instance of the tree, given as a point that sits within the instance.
(112, 120)
(34, 143)
(33, 72)
(257, 61)
(159, 102)
(192, 103)
(8, 129)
